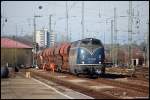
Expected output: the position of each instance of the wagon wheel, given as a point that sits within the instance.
(103, 70)
(76, 72)
(58, 68)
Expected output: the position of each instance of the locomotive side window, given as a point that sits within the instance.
(85, 42)
(75, 44)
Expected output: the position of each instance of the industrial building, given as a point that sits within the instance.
(15, 53)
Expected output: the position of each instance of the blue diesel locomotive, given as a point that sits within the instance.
(87, 56)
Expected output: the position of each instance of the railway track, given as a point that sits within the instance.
(140, 73)
(97, 88)
(130, 86)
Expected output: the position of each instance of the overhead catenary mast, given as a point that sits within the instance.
(33, 50)
(50, 30)
(148, 45)
(112, 55)
(130, 32)
(52, 35)
(15, 53)
(82, 22)
(4, 19)
(146, 38)
(115, 36)
(70, 35)
(67, 20)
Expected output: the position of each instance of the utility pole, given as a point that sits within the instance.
(115, 36)
(67, 20)
(112, 56)
(82, 19)
(130, 32)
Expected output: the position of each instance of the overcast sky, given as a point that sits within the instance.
(20, 14)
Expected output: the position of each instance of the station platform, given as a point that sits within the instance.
(20, 87)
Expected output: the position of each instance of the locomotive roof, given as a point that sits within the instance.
(86, 41)
(91, 39)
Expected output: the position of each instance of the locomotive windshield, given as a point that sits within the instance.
(91, 42)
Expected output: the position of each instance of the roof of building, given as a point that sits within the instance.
(9, 43)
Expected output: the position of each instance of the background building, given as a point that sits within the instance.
(52, 38)
(43, 38)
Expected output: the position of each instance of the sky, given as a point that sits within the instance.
(20, 14)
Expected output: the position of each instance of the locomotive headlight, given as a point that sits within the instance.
(99, 62)
(82, 51)
(82, 62)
